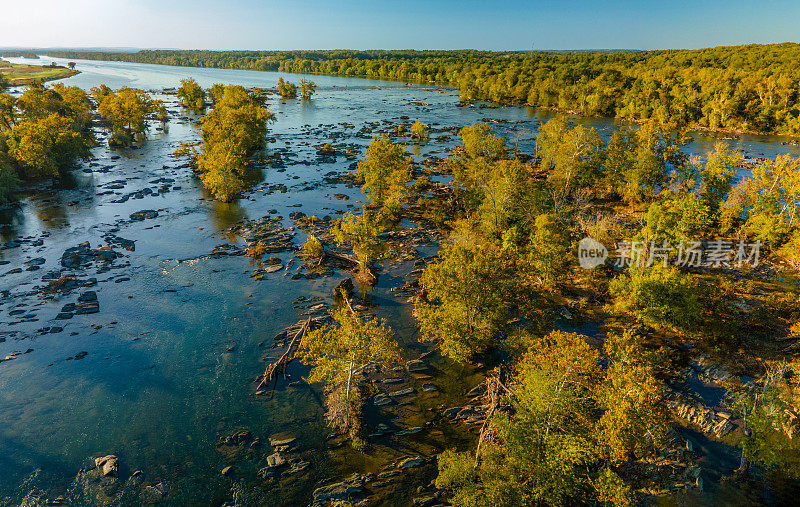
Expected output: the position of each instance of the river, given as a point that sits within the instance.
(166, 367)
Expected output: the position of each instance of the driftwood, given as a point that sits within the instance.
(495, 390)
(366, 274)
(279, 366)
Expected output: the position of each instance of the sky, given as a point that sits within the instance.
(397, 24)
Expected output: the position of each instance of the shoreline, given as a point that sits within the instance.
(23, 74)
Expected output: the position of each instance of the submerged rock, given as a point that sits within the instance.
(339, 492)
(143, 214)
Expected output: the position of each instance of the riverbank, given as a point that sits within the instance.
(20, 74)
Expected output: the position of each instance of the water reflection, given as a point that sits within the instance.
(12, 221)
(226, 214)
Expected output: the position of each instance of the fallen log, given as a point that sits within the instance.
(280, 365)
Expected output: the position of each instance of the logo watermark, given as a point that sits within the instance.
(716, 253)
(591, 253)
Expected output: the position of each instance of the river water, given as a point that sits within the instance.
(166, 367)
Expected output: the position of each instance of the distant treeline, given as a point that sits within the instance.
(750, 88)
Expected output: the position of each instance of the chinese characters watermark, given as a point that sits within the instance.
(716, 253)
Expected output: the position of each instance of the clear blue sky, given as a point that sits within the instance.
(397, 24)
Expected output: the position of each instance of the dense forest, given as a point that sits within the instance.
(569, 420)
(748, 88)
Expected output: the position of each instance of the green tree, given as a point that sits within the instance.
(338, 356)
(463, 304)
(546, 451)
(361, 233)
(573, 155)
(44, 147)
(307, 88)
(231, 133)
(659, 297)
(385, 169)
(717, 175)
(287, 90)
(129, 110)
(419, 131)
(8, 178)
(190, 95)
(769, 200)
(635, 420)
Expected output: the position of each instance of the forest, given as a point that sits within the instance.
(736, 88)
(569, 421)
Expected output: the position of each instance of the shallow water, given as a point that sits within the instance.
(157, 385)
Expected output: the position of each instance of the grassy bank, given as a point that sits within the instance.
(20, 74)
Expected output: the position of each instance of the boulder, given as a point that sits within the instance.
(339, 492)
(108, 465)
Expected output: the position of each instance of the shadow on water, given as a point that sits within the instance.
(12, 220)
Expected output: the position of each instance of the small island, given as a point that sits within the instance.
(17, 74)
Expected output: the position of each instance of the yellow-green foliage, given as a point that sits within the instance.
(42, 133)
(41, 148)
(769, 200)
(420, 131)
(231, 132)
(464, 305)
(191, 95)
(361, 233)
(312, 248)
(573, 154)
(8, 178)
(635, 419)
(659, 297)
(129, 110)
(307, 88)
(385, 169)
(571, 416)
(674, 218)
(338, 355)
(286, 89)
(548, 251)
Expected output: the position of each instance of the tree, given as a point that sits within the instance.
(286, 89)
(338, 357)
(545, 451)
(419, 131)
(307, 88)
(635, 420)
(129, 110)
(361, 233)
(717, 175)
(99, 93)
(675, 218)
(190, 95)
(770, 419)
(385, 169)
(463, 305)
(231, 133)
(769, 200)
(572, 154)
(548, 251)
(44, 147)
(217, 92)
(8, 111)
(8, 178)
(659, 297)
(639, 161)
